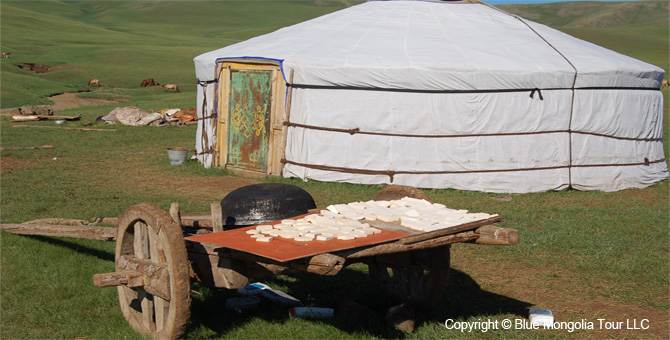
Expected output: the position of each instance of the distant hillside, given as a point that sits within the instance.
(122, 42)
(595, 14)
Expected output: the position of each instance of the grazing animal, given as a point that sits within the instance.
(172, 87)
(149, 82)
(665, 83)
(5, 54)
(94, 82)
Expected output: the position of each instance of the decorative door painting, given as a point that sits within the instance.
(249, 109)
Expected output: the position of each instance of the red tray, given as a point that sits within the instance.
(283, 249)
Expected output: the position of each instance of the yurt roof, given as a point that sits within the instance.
(434, 46)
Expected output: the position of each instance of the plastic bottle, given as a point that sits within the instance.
(541, 317)
(312, 312)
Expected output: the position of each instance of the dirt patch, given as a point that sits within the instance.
(562, 292)
(61, 101)
(40, 68)
(8, 163)
(70, 100)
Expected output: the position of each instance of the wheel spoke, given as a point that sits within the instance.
(147, 310)
(161, 308)
(141, 240)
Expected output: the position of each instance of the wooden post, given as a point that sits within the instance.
(322, 264)
(490, 234)
(217, 217)
(175, 213)
(69, 231)
(397, 247)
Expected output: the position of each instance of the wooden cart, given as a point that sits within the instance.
(155, 265)
(155, 261)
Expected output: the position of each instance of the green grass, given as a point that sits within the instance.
(579, 251)
(123, 42)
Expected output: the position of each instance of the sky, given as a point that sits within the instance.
(502, 2)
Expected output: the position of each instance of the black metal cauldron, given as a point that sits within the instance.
(263, 203)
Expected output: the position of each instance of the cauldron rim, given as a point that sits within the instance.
(264, 203)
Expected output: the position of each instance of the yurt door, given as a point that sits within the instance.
(250, 117)
(250, 92)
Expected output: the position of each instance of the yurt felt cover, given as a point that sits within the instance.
(455, 95)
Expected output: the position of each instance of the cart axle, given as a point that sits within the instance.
(153, 277)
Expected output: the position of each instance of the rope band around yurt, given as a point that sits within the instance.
(359, 131)
(392, 173)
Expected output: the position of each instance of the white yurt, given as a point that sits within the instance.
(431, 94)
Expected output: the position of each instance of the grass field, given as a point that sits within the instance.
(584, 255)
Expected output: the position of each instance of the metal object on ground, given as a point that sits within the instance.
(265, 202)
(177, 155)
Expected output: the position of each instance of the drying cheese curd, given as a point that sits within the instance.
(316, 227)
(409, 212)
(347, 221)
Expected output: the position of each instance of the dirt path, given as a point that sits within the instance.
(68, 100)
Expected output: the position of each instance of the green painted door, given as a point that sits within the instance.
(249, 109)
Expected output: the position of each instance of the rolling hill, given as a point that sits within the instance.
(123, 42)
(595, 14)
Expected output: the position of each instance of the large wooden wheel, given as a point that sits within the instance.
(152, 273)
(417, 277)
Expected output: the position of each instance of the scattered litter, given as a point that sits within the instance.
(253, 289)
(182, 115)
(243, 304)
(25, 118)
(34, 118)
(133, 116)
(169, 112)
(312, 312)
(277, 296)
(280, 297)
(541, 317)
